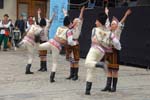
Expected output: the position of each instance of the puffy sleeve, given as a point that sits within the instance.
(70, 38)
(107, 24)
(93, 32)
(120, 25)
(115, 42)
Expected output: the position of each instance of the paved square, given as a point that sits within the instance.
(133, 84)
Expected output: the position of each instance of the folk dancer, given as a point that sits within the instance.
(56, 44)
(111, 57)
(73, 49)
(101, 39)
(46, 23)
(30, 42)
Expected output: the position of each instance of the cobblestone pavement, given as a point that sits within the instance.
(133, 84)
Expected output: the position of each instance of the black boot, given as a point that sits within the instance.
(52, 76)
(102, 65)
(71, 73)
(28, 69)
(44, 66)
(115, 80)
(75, 76)
(88, 88)
(99, 65)
(41, 66)
(108, 84)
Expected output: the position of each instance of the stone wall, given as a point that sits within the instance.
(9, 8)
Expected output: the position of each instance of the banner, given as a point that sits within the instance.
(56, 6)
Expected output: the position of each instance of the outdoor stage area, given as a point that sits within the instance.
(133, 84)
(135, 40)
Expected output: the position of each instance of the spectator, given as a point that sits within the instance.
(91, 3)
(30, 21)
(16, 37)
(109, 3)
(125, 3)
(4, 31)
(20, 23)
(9, 44)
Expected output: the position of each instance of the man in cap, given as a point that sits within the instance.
(20, 23)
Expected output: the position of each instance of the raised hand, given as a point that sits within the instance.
(83, 8)
(65, 12)
(106, 10)
(81, 12)
(128, 12)
(52, 18)
(39, 10)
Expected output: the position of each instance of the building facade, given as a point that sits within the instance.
(14, 8)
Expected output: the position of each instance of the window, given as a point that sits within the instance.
(23, 10)
(1, 4)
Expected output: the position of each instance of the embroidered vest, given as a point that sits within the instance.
(61, 32)
(103, 37)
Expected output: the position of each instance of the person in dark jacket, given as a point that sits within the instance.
(20, 23)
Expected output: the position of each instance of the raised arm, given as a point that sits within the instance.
(81, 12)
(128, 12)
(39, 15)
(49, 22)
(65, 12)
(107, 24)
(106, 11)
(52, 18)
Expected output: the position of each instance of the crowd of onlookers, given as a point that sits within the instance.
(112, 3)
(11, 33)
(103, 3)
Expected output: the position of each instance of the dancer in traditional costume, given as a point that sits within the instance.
(111, 57)
(102, 39)
(44, 38)
(56, 44)
(73, 49)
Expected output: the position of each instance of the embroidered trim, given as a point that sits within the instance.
(29, 39)
(98, 47)
(55, 43)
